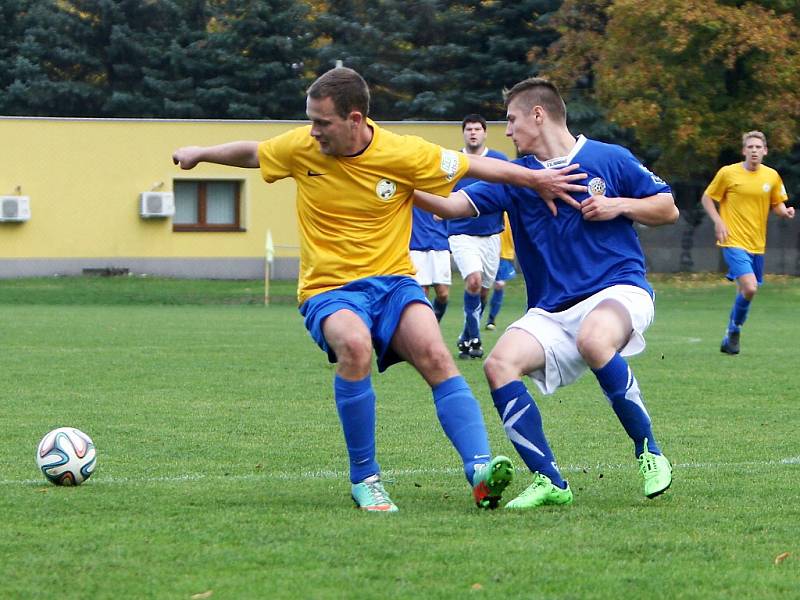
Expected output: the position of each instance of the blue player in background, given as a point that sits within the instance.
(430, 253)
(475, 244)
(588, 299)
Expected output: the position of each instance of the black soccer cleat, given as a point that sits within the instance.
(730, 344)
(475, 348)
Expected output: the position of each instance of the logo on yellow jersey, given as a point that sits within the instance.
(385, 189)
(449, 163)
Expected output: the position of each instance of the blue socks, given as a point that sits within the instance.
(523, 424)
(462, 421)
(355, 403)
(439, 308)
(472, 316)
(622, 390)
(456, 407)
(741, 306)
(496, 303)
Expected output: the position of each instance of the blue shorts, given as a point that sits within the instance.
(378, 301)
(741, 262)
(506, 270)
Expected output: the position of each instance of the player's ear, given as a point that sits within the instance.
(356, 118)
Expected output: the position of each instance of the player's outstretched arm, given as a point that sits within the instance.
(234, 154)
(455, 206)
(652, 211)
(550, 184)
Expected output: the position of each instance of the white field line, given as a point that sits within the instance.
(389, 474)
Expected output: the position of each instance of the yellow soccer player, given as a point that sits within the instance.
(745, 191)
(355, 183)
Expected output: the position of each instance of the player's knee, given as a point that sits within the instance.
(593, 348)
(435, 362)
(498, 372)
(473, 283)
(354, 350)
(749, 291)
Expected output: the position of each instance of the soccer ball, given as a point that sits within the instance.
(66, 456)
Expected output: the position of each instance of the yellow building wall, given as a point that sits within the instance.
(84, 177)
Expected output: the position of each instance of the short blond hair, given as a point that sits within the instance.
(754, 134)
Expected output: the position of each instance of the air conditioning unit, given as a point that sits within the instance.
(156, 204)
(15, 208)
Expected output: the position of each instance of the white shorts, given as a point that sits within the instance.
(433, 266)
(477, 254)
(557, 333)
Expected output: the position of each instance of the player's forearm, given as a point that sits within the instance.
(234, 154)
(711, 209)
(782, 210)
(501, 171)
(652, 211)
(455, 206)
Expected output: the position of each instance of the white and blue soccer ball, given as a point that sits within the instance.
(66, 456)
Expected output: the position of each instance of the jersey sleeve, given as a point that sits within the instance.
(778, 193)
(275, 156)
(488, 198)
(438, 169)
(637, 180)
(716, 189)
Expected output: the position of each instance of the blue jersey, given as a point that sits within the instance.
(564, 258)
(427, 233)
(487, 224)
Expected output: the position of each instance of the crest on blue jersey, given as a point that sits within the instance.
(597, 187)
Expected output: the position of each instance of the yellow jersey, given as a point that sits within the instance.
(354, 212)
(745, 198)
(506, 240)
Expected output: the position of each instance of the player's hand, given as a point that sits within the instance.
(601, 208)
(721, 232)
(789, 214)
(187, 157)
(556, 184)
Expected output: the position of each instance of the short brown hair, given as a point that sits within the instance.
(346, 88)
(754, 134)
(537, 91)
(473, 118)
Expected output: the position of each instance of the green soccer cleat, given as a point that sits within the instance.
(370, 496)
(656, 472)
(490, 480)
(541, 492)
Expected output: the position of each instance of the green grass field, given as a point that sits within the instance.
(222, 471)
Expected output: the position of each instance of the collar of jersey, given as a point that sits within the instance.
(563, 161)
(375, 134)
(484, 153)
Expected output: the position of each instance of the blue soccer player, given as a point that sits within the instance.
(746, 192)
(355, 184)
(430, 253)
(589, 301)
(506, 271)
(475, 244)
